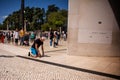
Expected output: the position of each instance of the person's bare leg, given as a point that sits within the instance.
(39, 55)
(34, 56)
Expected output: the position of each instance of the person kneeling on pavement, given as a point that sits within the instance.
(35, 48)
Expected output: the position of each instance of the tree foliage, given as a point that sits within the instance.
(37, 19)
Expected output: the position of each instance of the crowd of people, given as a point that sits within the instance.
(17, 37)
(20, 37)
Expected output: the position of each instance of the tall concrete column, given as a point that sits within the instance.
(92, 29)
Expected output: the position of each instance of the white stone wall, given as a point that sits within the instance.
(92, 29)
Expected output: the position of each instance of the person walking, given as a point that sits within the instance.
(32, 37)
(26, 39)
(57, 34)
(2, 37)
(16, 36)
(51, 38)
(12, 37)
(21, 34)
(35, 52)
(8, 37)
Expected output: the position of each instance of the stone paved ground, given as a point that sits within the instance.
(16, 68)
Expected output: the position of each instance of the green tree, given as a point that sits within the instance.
(64, 13)
(12, 20)
(45, 27)
(52, 8)
(1, 27)
(37, 19)
(56, 19)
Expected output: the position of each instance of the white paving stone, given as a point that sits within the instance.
(16, 68)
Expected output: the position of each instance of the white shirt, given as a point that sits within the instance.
(16, 35)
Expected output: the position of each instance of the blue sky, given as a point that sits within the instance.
(9, 6)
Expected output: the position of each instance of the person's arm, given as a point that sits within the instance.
(42, 48)
(37, 49)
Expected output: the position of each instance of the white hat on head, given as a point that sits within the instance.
(43, 37)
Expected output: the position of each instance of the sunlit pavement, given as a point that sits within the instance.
(56, 65)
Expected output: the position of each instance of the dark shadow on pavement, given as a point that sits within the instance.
(55, 50)
(45, 56)
(73, 68)
(7, 56)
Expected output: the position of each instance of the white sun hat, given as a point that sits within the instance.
(44, 38)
